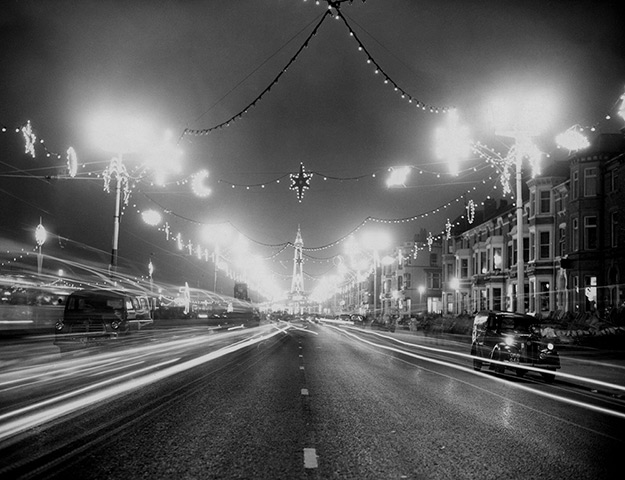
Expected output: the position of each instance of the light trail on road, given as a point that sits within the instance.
(525, 367)
(22, 419)
(548, 395)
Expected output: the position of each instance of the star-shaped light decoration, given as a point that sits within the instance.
(300, 182)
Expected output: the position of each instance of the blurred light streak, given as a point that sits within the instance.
(14, 427)
(470, 370)
(525, 367)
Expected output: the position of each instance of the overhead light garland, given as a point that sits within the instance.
(387, 79)
(206, 131)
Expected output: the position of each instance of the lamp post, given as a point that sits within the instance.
(123, 135)
(40, 237)
(376, 241)
(521, 121)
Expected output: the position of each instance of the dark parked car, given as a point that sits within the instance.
(515, 340)
(95, 316)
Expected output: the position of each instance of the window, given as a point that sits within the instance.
(545, 202)
(532, 245)
(558, 201)
(400, 283)
(562, 242)
(532, 202)
(497, 258)
(575, 234)
(483, 264)
(544, 246)
(433, 259)
(609, 186)
(526, 249)
(590, 182)
(434, 280)
(407, 280)
(613, 229)
(590, 233)
(544, 296)
(575, 185)
(464, 268)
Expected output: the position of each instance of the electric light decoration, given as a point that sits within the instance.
(72, 162)
(397, 177)
(198, 186)
(452, 141)
(151, 217)
(572, 139)
(300, 182)
(117, 169)
(448, 229)
(30, 138)
(525, 148)
(41, 234)
(471, 211)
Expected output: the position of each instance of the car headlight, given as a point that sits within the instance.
(509, 341)
(115, 324)
(59, 326)
(550, 346)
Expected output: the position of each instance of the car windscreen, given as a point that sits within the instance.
(515, 324)
(95, 302)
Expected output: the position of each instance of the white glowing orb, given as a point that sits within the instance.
(198, 186)
(452, 142)
(41, 235)
(151, 217)
(397, 177)
(572, 140)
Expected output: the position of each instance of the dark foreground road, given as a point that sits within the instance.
(316, 402)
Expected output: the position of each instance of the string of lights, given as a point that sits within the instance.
(237, 116)
(387, 79)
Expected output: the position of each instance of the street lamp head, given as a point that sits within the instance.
(119, 133)
(522, 113)
(376, 240)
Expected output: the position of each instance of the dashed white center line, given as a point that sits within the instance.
(304, 391)
(310, 458)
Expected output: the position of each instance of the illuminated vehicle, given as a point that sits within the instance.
(513, 339)
(30, 305)
(95, 316)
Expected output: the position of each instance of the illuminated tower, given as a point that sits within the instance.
(297, 283)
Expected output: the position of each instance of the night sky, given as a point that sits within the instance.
(194, 65)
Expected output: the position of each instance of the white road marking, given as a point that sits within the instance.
(304, 391)
(310, 458)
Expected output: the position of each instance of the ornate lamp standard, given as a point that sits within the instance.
(374, 242)
(521, 120)
(123, 135)
(40, 237)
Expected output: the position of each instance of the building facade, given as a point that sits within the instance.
(573, 242)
